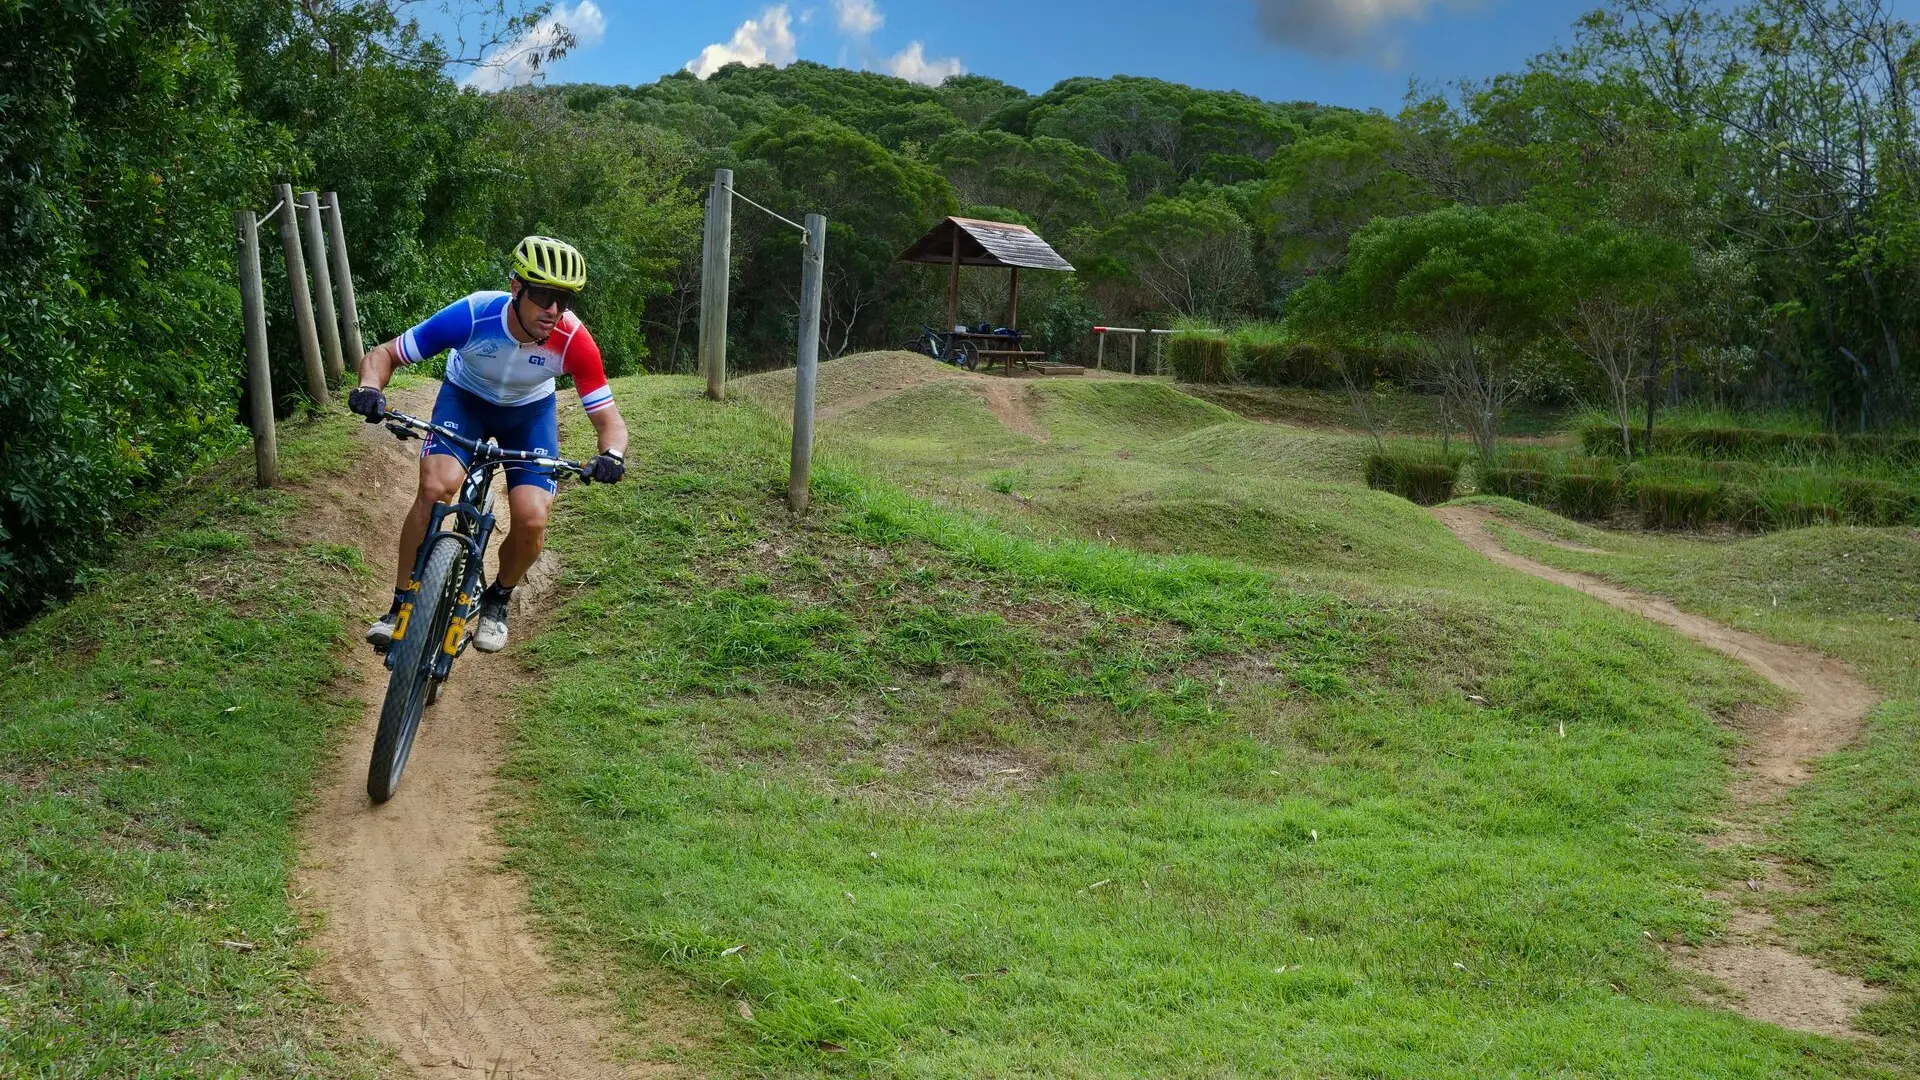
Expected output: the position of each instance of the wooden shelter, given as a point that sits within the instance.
(959, 241)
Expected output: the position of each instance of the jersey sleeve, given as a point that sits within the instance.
(449, 328)
(582, 361)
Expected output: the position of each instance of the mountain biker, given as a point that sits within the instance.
(507, 347)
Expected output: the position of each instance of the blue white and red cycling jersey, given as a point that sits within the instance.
(488, 362)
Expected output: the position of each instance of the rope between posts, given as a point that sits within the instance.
(736, 191)
(274, 210)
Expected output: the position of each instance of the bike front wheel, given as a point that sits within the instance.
(413, 658)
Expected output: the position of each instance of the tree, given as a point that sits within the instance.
(1475, 286)
(876, 203)
(1620, 286)
(1194, 256)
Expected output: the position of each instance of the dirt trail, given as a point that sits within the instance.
(421, 930)
(1768, 980)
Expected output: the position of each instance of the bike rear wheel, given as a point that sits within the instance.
(413, 660)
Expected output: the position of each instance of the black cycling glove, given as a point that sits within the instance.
(606, 467)
(368, 402)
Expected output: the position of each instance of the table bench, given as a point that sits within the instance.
(1022, 355)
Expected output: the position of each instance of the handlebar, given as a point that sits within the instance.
(404, 426)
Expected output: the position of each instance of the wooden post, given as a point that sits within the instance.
(1133, 354)
(253, 327)
(715, 269)
(1100, 353)
(953, 286)
(1013, 302)
(812, 266)
(351, 344)
(322, 286)
(302, 300)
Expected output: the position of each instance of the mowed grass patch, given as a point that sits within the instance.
(931, 798)
(1853, 593)
(157, 736)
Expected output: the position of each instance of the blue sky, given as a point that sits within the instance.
(1347, 52)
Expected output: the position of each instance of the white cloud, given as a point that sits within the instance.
(766, 40)
(520, 60)
(1342, 27)
(911, 64)
(858, 18)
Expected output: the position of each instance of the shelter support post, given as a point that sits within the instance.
(253, 308)
(812, 265)
(1013, 301)
(953, 287)
(301, 299)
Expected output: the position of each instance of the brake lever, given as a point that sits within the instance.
(401, 431)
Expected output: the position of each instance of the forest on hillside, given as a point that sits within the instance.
(1694, 199)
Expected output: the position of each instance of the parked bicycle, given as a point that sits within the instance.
(945, 348)
(443, 595)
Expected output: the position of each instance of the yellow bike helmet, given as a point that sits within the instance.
(542, 260)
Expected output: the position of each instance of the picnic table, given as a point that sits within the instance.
(987, 346)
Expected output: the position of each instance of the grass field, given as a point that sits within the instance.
(157, 736)
(1852, 593)
(938, 783)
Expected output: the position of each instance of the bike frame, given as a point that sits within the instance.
(473, 525)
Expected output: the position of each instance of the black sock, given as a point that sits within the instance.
(399, 595)
(497, 594)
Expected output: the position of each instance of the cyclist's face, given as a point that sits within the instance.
(540, 308)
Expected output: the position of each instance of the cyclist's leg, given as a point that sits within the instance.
(529, 490)
(442, 468)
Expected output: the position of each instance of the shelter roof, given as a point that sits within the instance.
(985, 243)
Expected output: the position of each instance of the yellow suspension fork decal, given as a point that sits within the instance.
(456, 629)
(406, 612)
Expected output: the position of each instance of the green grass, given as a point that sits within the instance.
(934, 777)
(1849, 592)
(158, 734)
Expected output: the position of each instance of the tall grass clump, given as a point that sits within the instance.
(1522, 475)
(1262, 353)
(1588, 488)
(1425, 476)
(1200, 356)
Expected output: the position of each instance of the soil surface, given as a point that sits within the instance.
(1764, 978)
(420, 928)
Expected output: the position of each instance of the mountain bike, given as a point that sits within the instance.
(944, 348)
(442, 596)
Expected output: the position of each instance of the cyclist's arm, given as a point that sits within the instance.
(378, 365)
(449, 328)
(581, 359)
(611, 429)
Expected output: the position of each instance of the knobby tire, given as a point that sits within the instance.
(413, 659)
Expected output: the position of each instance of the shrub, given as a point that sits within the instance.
(1795, 498)
(1261, 354)
(1197, 356)
(1589, 489)
(1677, 504)
(1425, 478)
(1878, 502)
(1525, 485)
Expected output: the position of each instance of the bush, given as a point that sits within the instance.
(1795, 498)
(1524, 485)
(1197, 356)
(1752, 444)
(1261, 352)
(1424, 478)
(1879, 502)
(1677, 504)
(1589, 489)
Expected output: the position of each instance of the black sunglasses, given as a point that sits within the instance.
(545, 296)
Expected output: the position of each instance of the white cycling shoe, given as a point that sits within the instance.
(380, 634)
(491, 633)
